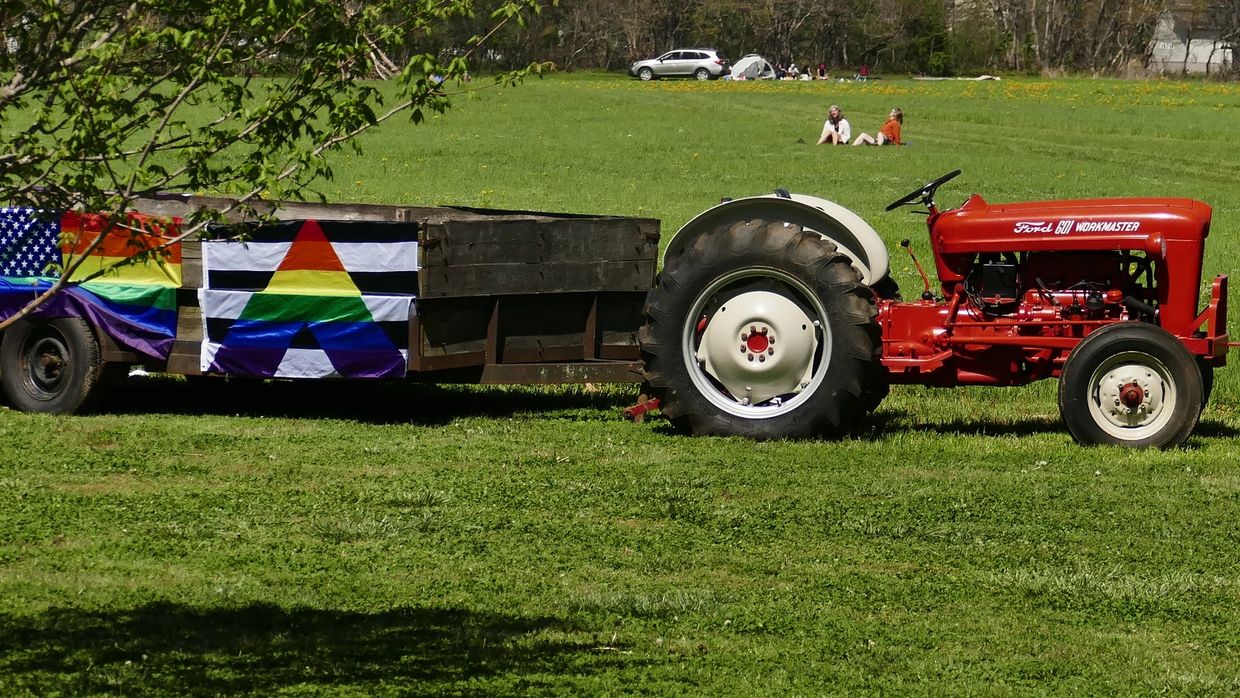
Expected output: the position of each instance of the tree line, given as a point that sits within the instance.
(937, 37)
(934, 37)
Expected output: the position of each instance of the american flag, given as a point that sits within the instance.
(28, 242)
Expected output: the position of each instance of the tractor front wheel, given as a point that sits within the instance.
(764, 330)
(1130, 384)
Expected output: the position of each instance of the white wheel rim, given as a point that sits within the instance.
(727, 370)
(1132, 396)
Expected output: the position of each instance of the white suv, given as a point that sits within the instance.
(700, 63)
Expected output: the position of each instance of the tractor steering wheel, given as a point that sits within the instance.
(925, 194)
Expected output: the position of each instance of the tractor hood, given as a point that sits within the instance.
(1146, 224)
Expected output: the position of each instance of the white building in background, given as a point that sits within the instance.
(1179, 47)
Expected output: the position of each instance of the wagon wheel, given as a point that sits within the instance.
(49, 365)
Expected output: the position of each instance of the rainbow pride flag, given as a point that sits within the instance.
(142, 240)
(309, 299)
(135, 307)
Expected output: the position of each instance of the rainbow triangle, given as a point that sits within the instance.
(311, 266)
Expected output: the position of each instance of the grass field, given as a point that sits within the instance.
(392, 540)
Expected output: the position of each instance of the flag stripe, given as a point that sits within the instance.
(163, 298)
(369, 231)
(280, 307)
(336, 231)
(156, 313)
(231, 304)
(244, 256)
(146, 272)
(218, 331)
(313, 363)
(139, 233)
(238, 280)
(312, 282)
(388, 282)
(389, 308)
(355, 256)
(340, 336)
(378, 256)
(246, 361)
(139, 318)
(303, 363)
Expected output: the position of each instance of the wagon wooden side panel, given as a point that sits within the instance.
(500, 296)
(505, 293)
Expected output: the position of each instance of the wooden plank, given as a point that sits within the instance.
(174, 204)
(189, 323)
(493, 340)
(449, 361)
(539, 328)
(185, 359)
(621, 313)
(621, 339)
(457, 243)
(627, 353)
(191, 263)
(453, 326)
(184, 206)
(508, 279)
(559, 373)
(119, 356)
(432, 349)
(415, 343)
(186, 355)
(589, 338)
(543, 354)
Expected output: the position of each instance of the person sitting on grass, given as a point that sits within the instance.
(889, 134)
(835, 130)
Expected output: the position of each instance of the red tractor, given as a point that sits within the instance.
(775, 316)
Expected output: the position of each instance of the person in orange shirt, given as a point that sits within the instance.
(889, 134)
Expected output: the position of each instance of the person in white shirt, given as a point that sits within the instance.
(835, 130)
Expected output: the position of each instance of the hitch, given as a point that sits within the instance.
(637, 413)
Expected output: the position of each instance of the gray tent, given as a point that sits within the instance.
(753, 67)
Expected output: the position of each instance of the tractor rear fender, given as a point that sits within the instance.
(853, 236)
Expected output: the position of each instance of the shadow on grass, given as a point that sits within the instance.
(377, 402)
(899, 420)
(1214, 428)
(892, 421)
(263, 649)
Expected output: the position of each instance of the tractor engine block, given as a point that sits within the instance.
(1014, 316)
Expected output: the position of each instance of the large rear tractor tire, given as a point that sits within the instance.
(49, 366)
(760, 329)
(1130, 384)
